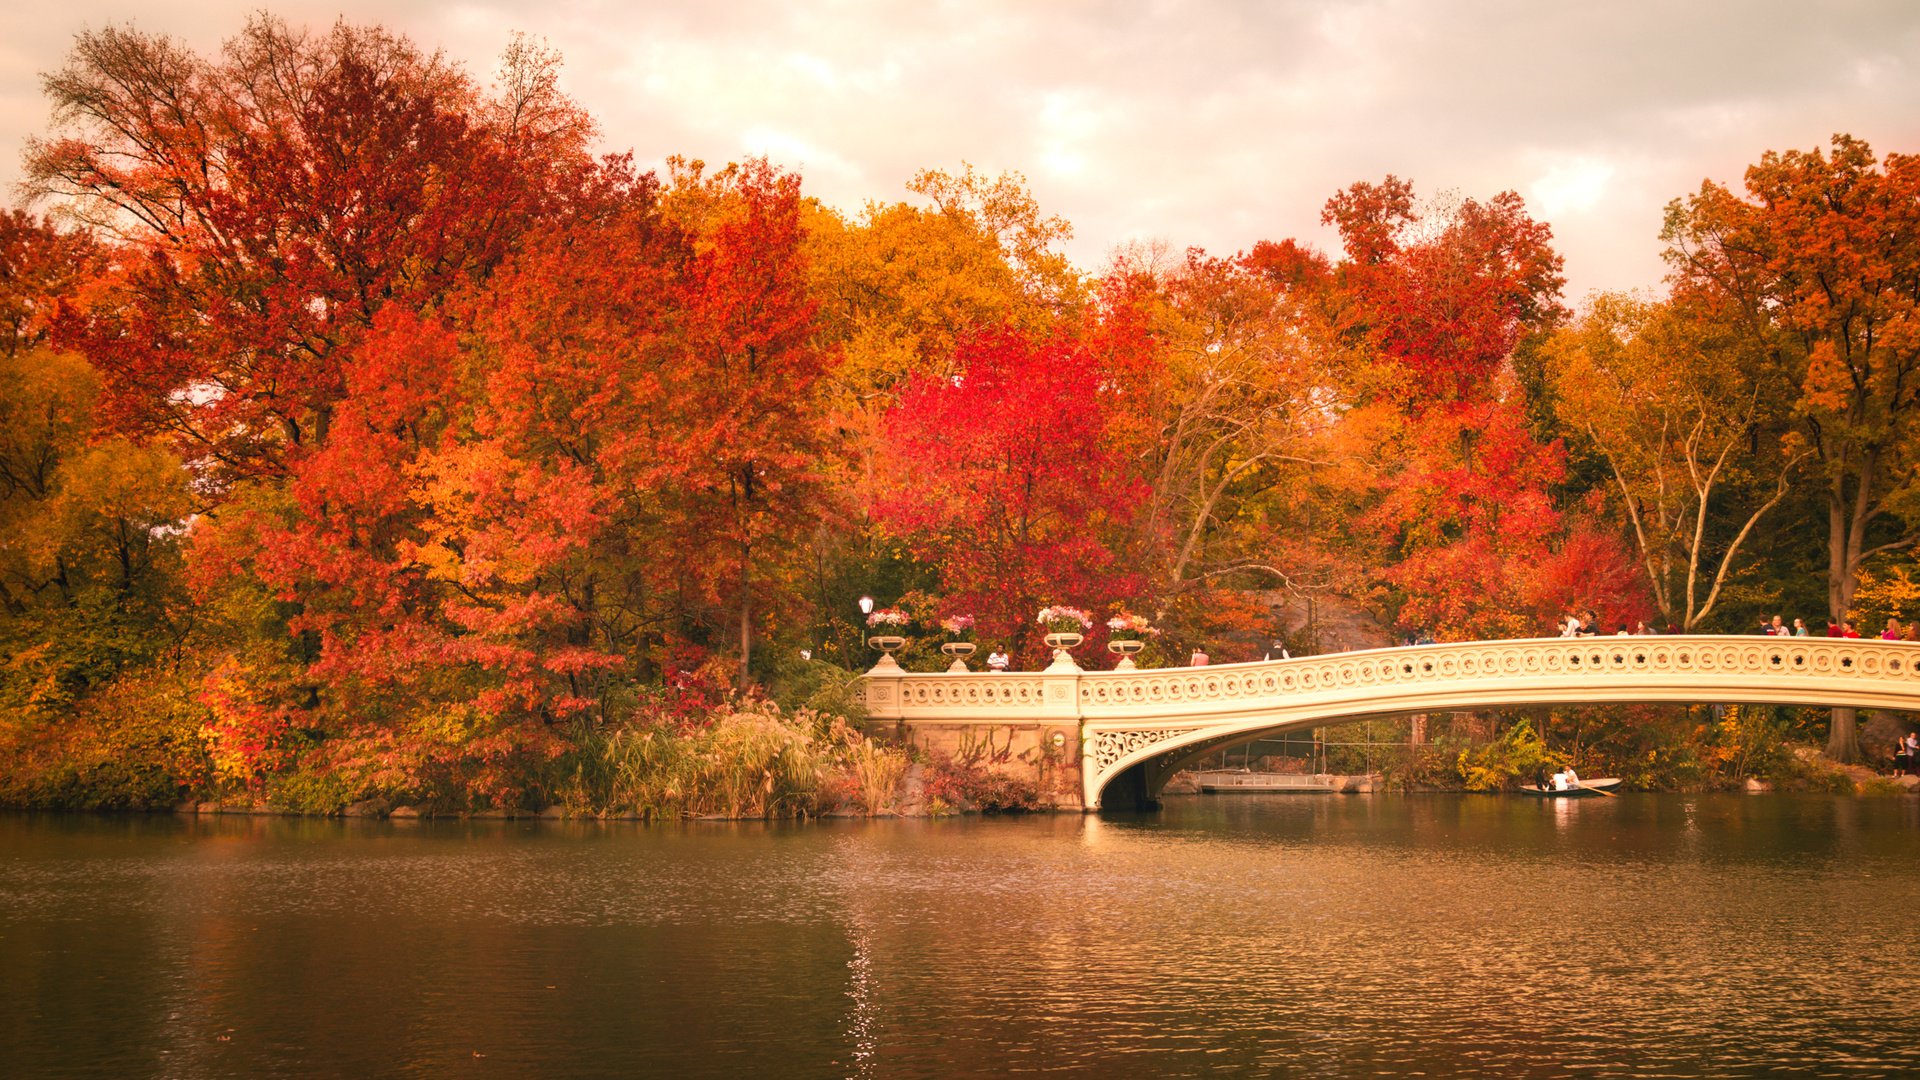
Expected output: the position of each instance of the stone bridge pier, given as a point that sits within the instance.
(1113, 738)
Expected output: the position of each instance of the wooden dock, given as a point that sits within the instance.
(1235, 781)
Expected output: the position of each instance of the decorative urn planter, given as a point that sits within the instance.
(959, 650)
(1063, 625)
(1062, 657)
(1126, 650)
(886, 643)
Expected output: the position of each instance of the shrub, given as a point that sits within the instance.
(1519, 751)
(970, 780)
(136, 743)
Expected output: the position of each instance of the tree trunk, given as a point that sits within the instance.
(1843, 729)
(1843, 735)
(746, 614)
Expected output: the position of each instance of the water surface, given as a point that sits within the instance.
(1311, 935)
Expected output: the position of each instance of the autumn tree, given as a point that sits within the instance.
(751, 438)
(1820, 261)
(1464, 514)
(270, 202)
(1245, 389)
(42, 272)
(1445, 292)
(898, 287)
(1007, 478)
(89, 531)
(1685, 412)
(1476, 541)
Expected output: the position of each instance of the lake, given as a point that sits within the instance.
(1645, 935)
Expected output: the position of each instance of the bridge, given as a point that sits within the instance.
(1127, 732)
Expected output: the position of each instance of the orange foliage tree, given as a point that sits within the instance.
(1821, 262)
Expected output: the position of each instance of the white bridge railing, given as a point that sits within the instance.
(1126, 717)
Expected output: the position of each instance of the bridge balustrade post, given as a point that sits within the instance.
(880, 692)
(1059, 728)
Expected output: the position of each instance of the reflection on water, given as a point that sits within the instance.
(1327, 935)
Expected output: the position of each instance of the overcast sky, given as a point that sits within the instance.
(1212, 123)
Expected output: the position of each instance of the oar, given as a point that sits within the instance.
(1597, 790)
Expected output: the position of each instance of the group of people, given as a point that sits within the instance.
(1906, 755)
(1842, 629)
(1584, 625)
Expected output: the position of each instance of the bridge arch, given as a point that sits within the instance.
(1143, 724)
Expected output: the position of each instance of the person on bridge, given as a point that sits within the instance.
(1799, 628)
(1200, 657)
(1892, 632)
(997, 661)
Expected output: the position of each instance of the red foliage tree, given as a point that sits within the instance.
(42, 273)
(1010, 479)
(1479, 547)
(272, 202)
(749, 441)
(1447, 300)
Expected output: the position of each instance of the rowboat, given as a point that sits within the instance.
(1585, 789)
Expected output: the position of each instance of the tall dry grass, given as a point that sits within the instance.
(752, 760)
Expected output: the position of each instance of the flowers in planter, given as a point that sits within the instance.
(888, 621)
(957, 627)
(1059, 619)
(1129, 627)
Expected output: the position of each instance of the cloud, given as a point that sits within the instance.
(1213, 122)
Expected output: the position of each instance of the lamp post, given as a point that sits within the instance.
(866, 605)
